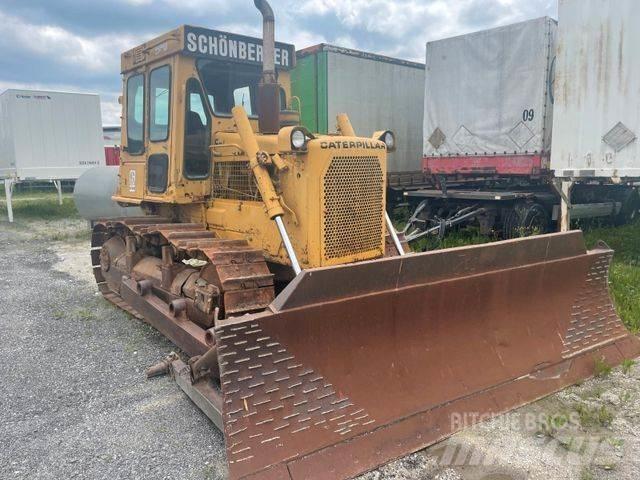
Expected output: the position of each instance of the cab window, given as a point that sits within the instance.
(197, 134)
(230, 84)
(242, 97)
(159, 98)
(135, 114)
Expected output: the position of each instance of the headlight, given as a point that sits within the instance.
(389, 140)
(298, 139)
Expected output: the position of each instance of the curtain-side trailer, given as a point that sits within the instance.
(489, 120)
(379, 92)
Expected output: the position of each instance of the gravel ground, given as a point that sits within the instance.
(75, 403)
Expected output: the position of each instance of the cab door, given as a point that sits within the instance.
(146, 137)
(133, 157)
(159, 132)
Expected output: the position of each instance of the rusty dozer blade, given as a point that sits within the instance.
(360, 364)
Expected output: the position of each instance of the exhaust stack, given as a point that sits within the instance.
(269, 93)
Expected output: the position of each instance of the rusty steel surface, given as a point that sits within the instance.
(238, 270)
(183, 333)
(356, 365)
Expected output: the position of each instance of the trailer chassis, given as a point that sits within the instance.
(518, 211)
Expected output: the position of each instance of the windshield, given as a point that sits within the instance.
(228, 85)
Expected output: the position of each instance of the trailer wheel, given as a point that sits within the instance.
(525, 220)
(630, 207)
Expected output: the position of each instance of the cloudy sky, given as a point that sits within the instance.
(75, 45)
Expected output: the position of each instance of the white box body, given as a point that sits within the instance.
(49, 135)
(597, 107)
(487, 93)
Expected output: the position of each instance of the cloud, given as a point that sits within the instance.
(111, 110)
(76, 44)
(402, 27)
(76, 51)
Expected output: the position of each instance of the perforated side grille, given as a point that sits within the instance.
(234, 180)
(353, 205)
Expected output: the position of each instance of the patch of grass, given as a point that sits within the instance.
(456, 238)
(559, 426)
(550, 424)
(594, 416)
(85, 314)
(627, 365)
(625, 289)
(400, 216)
(63, 236)
(591, 393)
(625, 271)
(40, 207)
(586, 474)
(616, 442)
(571, 445)
(601, 368)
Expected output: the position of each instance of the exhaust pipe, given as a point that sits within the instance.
(269, 90)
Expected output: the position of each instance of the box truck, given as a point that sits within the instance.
(49, 136)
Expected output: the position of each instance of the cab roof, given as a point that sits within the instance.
(205, 43)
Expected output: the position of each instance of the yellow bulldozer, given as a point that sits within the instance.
(311, 338)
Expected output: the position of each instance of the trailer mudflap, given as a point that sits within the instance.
(357, 365)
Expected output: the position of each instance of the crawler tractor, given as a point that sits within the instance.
(309, 337)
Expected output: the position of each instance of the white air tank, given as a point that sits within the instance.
(93, 192)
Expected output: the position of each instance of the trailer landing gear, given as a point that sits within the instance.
(8, 192)
(565, 206)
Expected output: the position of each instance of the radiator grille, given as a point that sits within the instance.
(234, 181)
(353, 206)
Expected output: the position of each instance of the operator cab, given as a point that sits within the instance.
(179, 90)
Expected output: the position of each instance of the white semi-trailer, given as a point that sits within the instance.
(597, 100)
(48, 136)
(529, 125)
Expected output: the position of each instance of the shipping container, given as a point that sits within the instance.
(488, 94)
(377, 92)
(597, 101)
(48, 136)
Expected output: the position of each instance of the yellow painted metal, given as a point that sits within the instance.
(304, 187)
(331, 196)
(258, 160)
(344, 125)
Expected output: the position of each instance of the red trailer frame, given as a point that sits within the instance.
(508, 165)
